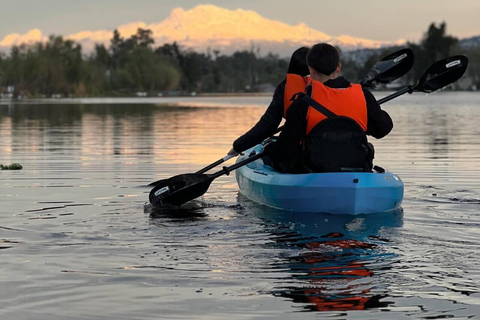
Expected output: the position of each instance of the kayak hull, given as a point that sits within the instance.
(335, 192)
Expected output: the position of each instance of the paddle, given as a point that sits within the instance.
(391, 67)
(183, 188)
(210, 166)
(437, 76)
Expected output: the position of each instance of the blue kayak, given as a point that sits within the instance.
(333, 192)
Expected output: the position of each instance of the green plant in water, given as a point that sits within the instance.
(13, 166)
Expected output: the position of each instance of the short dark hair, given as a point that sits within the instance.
(298, 62)
(323, 58)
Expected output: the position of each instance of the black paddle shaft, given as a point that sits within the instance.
(227, 170)
(183, 188)
(211, 166)
(396, 94)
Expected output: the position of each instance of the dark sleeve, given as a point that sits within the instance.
(285, 151)
(379, 123)
(266, 126)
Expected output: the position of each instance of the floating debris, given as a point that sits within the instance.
(13, 166)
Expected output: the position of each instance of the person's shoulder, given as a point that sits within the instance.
(368, 94)
(298, 107)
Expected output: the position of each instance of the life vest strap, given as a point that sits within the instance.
(314, 104)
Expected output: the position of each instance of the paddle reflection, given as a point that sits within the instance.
(194, 210)
(337, 261)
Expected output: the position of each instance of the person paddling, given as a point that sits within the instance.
(326, 128)
(296, 81)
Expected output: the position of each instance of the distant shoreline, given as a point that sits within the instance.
(173, 96)
(212, 99)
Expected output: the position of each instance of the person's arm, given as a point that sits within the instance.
(285, 151)
(266, 126)
(379, 123)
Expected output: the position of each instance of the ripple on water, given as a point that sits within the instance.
(78, 241)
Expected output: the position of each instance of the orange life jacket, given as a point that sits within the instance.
(295, 84)
(348, 102)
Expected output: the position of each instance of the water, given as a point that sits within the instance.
(78, 242)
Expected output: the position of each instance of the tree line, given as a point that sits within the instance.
(435, 44)
(134, 64)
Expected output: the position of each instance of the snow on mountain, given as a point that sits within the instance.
(208, 26)
(34, 35)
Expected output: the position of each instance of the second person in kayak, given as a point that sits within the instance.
(326, 128)
(296, 81)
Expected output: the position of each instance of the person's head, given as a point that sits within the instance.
(298, 62)
(323, 61)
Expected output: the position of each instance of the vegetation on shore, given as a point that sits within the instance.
(130, 65)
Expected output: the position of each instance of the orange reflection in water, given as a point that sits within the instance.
(318, 294)
(6, 135)
(340, 258)
(166, 134)
(335, 287)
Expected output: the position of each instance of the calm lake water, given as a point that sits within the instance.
(78, 240)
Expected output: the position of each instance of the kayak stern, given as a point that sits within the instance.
(335, 193)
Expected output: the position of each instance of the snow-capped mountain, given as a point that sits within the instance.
(211, 27)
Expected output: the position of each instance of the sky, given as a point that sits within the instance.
(372, 19)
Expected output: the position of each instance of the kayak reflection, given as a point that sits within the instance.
(336, 261)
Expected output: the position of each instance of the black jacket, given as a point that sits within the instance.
(267, 125)
(285, 151)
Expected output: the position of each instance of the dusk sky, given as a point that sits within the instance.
(372, 19)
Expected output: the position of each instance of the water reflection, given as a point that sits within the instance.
(74, 227)
(109, 129)
(337, 261)
(193, 210)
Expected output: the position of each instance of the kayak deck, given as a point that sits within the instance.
(335, 193)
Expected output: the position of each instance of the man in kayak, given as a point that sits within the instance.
(295, 81)
(326, 128)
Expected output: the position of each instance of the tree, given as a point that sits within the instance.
(143, 37)
(473, 70)
(435, 45)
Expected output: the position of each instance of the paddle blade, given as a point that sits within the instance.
(153, 184)
(442, 73)
(179, 189)
(390, 68)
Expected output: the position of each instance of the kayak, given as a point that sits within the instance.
(332, 192)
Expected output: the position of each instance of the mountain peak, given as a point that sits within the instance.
(208, 26)
(205, 23)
